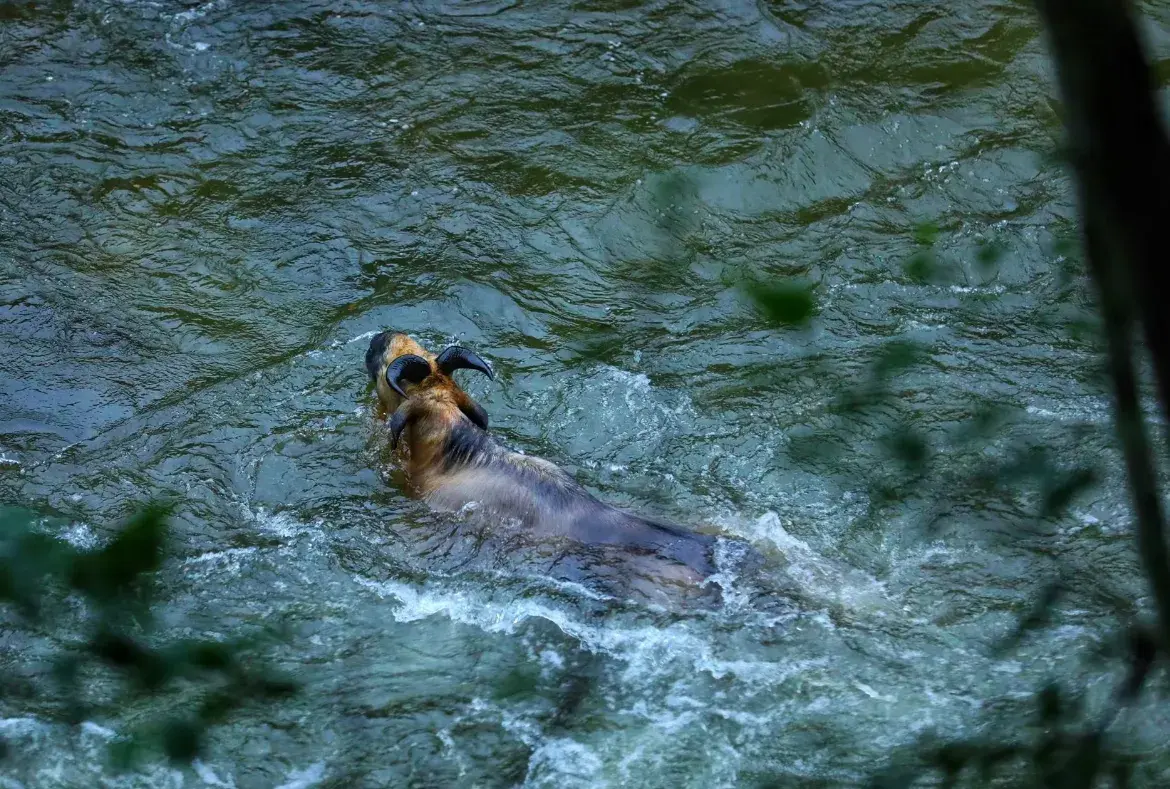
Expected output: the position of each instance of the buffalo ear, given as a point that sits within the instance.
(375, 352)
(475, 413)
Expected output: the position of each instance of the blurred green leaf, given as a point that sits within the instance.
(182, 740)
(124, 752)
(1049, 704)
(883, 492)
(1085, 763)
(117, 633)
(897, 356)
(147, 667)
(519, 682)
(136, 549)
(1083, 329)
(66, 668)
(993, 756)
(209, 655)
(1065, 246)
(894, 777)
(787, 304)
(909, 447)
(989, 255)
(1060, 492)
(277, 687)
(953, 757)
(66, 671)
(809, 446)
(922, 266)
(853, 401)
(982, 424)
(1143, 650)
(26, 559)
(926, 234)
(217, 706)
(1059, 154)
(1037, 617)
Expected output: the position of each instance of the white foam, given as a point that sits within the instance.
(625, 396)
(665, 721)
(89, 727)
(20, 725)
(192, 14)
(820, 577)
(628, 761)
(1094, 410)
(648, 651)
(81, 535)
(282, 524)
(941, 552)
(728, 555)
(216, 564)
(563, 763)
(994, 289)
(525, 730)
(550, 658)
(231, 555)
(366, 336)
(745, 719)
(303, 779)
(873, 694)
(571, 588)
(448, 741)
(637, 381)
(208, 776)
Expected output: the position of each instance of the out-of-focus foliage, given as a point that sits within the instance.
(1066, 744)
(923, 265)
(1065, 747)
(784, 303)
(114, 638)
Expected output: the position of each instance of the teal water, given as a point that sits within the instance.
(206, 211)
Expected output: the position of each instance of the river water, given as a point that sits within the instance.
(206, 211)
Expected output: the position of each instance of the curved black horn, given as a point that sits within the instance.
(456, 358)
(474, 411)
(398, 423)
(410, 368)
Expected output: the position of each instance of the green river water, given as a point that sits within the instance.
(207, 210)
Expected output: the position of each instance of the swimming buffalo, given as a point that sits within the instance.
(455, 465)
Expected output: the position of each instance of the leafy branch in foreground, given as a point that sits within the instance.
(1121, 161)
(1065, 746)
(38, 572)
(1120, 155)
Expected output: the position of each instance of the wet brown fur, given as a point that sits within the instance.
(454, 465)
